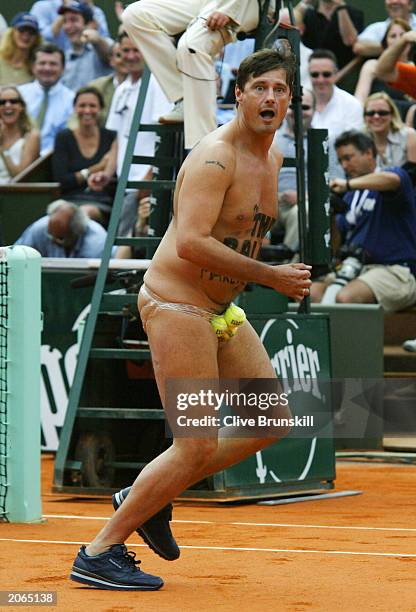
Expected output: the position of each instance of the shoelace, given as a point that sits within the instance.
(131, 561)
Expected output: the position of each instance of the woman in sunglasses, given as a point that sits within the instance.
(395, 142)
(367, 82)
(19, 142)
(16, 49)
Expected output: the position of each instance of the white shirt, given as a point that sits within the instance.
(343, 112)
(120, 118)
(375, 31)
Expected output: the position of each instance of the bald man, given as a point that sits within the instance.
(65, 231)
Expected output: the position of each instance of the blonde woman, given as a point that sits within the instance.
(395, 142)
(19, 142)
(16, 49)
(367, 81)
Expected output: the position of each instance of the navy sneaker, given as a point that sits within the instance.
(115, 569)
(155, 531)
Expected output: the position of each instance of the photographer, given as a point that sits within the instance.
(378, 230)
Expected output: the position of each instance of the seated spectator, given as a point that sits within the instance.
(87, 57)
(331, 25)
(398, 74)
(82, 151)
(16, 50)
(378, 228)
(395, 142)
(50, 22)
(49, 102)
(19, 142)
(370, 39)
(336, 109)
(367, 81)
(65, 231)
(107, 85)
(119, 119)
(287, 197)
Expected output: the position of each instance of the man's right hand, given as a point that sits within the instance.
(218, 20)
(98, 180)
(293, 280)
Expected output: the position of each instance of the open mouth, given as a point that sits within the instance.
(267, 114)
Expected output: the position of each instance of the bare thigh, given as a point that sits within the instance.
(244, 356)
(182, 346)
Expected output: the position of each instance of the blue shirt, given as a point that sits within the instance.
(60, 107)
(383, 223)
(83, 66)
(46, 12)
(90, 244)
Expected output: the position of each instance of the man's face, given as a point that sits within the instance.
(59, 229)
(353, 162)
(399, 8)
(116, 60)
(74, 25)
(322, 73)
(307, 112)
(264, 100)
(47, 68)
(131, 56)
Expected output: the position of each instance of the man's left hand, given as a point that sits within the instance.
(218, 20)
(338, 185)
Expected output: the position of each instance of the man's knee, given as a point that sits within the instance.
(197, 452)
(136, 15)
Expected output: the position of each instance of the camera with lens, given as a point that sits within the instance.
(351, 266)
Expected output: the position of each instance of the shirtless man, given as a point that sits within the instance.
(225, 202)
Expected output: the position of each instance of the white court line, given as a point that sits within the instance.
(107, 518)
(296, 526)
(237, 549)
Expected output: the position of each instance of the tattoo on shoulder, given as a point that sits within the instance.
(215, 162)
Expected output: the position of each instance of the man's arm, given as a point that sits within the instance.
(101, 45)
(377, 181)
(386, 65)
(206, 181)
(368, 43)
(347, 29)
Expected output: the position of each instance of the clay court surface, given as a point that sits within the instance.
(354, 553)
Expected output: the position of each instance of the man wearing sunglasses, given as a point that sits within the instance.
(336, 109)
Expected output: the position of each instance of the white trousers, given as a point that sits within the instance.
(187, 71)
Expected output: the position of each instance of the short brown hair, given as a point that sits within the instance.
(264, 60)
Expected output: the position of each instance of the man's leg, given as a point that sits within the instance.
(151, 25)
(244, 356)
(182, 346)
(356, 292)
(197, 48)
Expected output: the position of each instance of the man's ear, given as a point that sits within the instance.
(238, 94)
